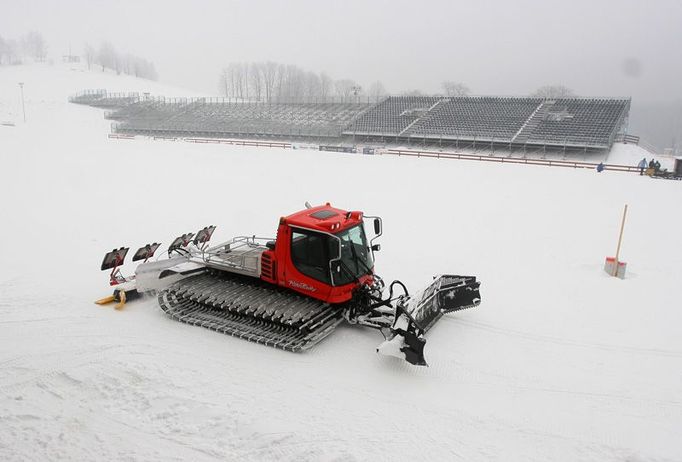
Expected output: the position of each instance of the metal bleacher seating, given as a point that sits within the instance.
(483, 118)
(392, 116)
(149, 115)
(219, 118)
(568, 123)
(87, 96)
(580, 122)
(102, 99)
(577, 122)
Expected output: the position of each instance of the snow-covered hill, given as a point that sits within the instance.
(560, 362)
(50, 84)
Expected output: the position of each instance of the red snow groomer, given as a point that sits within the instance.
(292, 291)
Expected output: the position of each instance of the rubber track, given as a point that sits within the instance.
(250, 309)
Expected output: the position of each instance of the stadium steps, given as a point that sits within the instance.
(407, 130)
(532, 122)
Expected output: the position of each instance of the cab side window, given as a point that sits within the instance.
(310, 254)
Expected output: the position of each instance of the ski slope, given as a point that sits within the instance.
(560, 361)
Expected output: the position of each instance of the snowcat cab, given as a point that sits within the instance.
(321, 252)
(292, 291)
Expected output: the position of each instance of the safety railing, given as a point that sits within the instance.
(269, 144)
(505, 160)
(235, 142)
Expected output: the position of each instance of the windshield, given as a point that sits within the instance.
(355, 255)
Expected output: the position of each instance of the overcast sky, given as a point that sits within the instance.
(596, 47)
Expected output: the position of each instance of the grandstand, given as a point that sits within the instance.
(579, 122)
(102, 99)
(514, 123)
(219, 118)
(483, 118)
(393, 116)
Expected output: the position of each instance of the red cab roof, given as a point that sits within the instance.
(324, 218)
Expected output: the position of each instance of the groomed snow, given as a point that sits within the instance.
(560, 362)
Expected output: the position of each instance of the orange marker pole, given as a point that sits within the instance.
(620, 239)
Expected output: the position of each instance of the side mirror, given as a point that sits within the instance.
(377, 226)
(376, 247)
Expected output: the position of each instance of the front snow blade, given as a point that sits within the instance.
(416, 314)
(445, 294)
(458, 293)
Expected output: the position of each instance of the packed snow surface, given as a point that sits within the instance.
(560, 361)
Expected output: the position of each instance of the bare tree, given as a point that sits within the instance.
(118, 63)
(223, 82)
(269, 72)
(9, 51)
(130, 66)
(13, 52)
(256, 80)
(90, 54)
(294, 83)
(106, 57)
(150, 70)
(34, 45)
(377, 91)
(109, 58)
(344, 89)
(413, 93)
(237, 80)
(3, 50)
(232, 76)
(270, 81)
(312, 86)
(326, 85)
(245, 69)
(455, 88)
(232, 80)
(140, 68)
(553, 91)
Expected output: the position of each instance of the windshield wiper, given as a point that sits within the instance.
(355, 254)
(345, 267)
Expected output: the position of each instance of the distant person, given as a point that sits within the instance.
(600, 167)
(657, 166)
(652, 166)
(642, 166)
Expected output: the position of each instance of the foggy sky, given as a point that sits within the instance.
(596, 47)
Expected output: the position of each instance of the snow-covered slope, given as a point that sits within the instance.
(560, 362)
(50, 84)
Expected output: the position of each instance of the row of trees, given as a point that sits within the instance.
(272, 82)
(553, 91)
(109, 58)
(31, 45)
(275, 82)
(451, 88)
